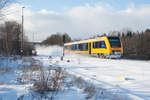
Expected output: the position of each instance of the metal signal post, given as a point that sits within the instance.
(22, 41)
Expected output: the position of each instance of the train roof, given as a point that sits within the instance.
(86, 41)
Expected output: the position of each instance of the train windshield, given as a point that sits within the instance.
(114, 41)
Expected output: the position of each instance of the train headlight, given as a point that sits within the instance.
(113, 52)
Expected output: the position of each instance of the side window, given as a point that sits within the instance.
(93, 44)
(72, 47)
(83, 47)
(99, 44)
(103, 44)
(65, 47)
(75, 47)
(80, 47)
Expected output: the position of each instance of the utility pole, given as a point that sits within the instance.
(33, 37)
(64, 40)
(22, 41)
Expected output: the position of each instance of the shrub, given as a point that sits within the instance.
(50, 81)
(91, 91)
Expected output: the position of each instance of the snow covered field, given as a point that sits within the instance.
(106, 79)
(121, 76)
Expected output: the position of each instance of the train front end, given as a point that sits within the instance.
(115, 47)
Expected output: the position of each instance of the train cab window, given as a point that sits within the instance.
(114, 41)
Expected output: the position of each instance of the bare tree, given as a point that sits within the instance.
(10, 39)
(137, 45)
(4, 3)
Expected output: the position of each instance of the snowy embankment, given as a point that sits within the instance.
(54, 51)
(119, 76)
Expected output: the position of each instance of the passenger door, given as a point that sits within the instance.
(90, 48)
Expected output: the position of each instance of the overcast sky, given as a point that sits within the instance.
(80, 18)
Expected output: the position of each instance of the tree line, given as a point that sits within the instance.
(136, 44)
(11, 38)
(57, 39)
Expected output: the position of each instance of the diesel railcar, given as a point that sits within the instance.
(106, 47)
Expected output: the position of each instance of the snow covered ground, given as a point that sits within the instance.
(13, 87)
(10, 89)
(114, 79)
(121, 76)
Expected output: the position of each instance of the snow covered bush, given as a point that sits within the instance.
(49, 81)
(79, 82)
(90, 90)
(29, 70)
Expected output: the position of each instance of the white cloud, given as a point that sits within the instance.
(83, 21)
